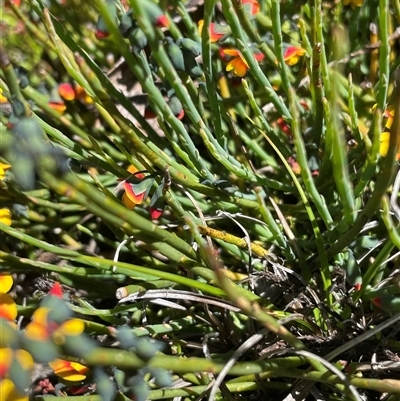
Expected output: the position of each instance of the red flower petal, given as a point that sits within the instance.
(376, 301)
(149, 113)
(56, 290)
(66, 91)
(284, 126)
(101, 35)
(134, 198)
(155, 213)
(162, 21)
(180, 115)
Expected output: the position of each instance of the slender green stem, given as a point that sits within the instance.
(382, 183)
(255, 69)
(384, 57)
(277, 32)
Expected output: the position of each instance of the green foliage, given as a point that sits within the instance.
(231, 180)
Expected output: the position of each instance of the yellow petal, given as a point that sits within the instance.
(72, 327)
(24, 358)
(384, 143)
(240, 68)
(6, 282)
(72, 371)
(8, 392)
(6, 356)
(8, 308)
(3, 99)
(231, 52)
(127, 202)
(36, 332)
(5, 216)
(40, 315)
(3, 168)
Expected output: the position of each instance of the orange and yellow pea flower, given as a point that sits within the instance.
(8, 308)
(238, 65)
(67, 370)
(292, 55)
(214, 35)
(42, 329)
(129, 198)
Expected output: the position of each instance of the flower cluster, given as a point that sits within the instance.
(135, 189)
(64, 93)
(235, 60)
(15, 365)
(50, 327)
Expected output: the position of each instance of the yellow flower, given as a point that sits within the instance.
(3, 168)
(292, 55)
(9, 392)
(385, 135)
(5, 216)
(6, 282)
(238, 65)
(42, 329)
(384, 145)
(3, 99)
(353, 3)
(67, 370)
(215, 36)
(389, 114)
(8, 308)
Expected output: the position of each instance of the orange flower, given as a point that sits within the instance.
(292, 55)
(8, 308)
(66, 91)
(81, 94)
(67, 370)
(238, 65)
(42, 329)
(129, 198)
(216, 31)
(59, 106)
